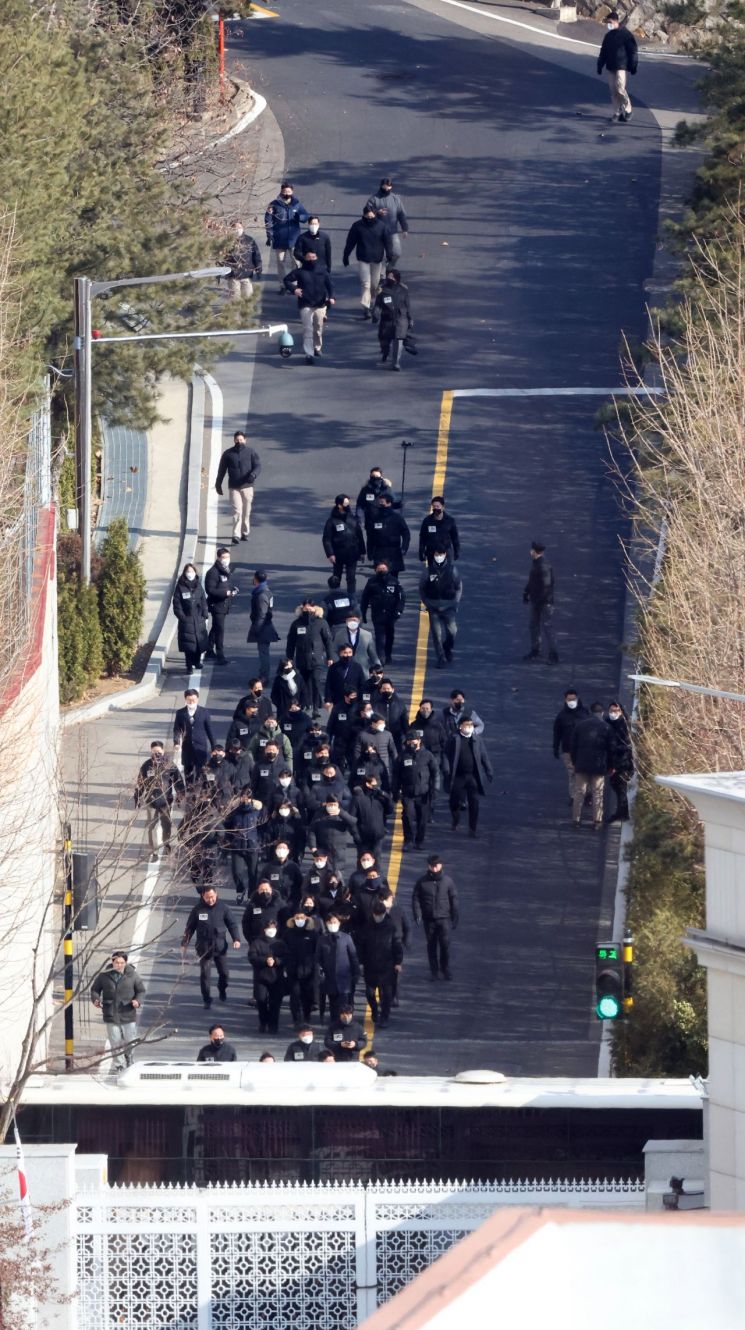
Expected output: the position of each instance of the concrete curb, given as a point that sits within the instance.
(152, 678)
(258, 105)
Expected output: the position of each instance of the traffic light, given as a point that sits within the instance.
(609, 986)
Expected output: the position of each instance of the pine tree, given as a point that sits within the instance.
(121, 591)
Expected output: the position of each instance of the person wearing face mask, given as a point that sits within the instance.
(434, 902)
(402, 926)
(454, 712)
(337, 604)
(338, 967)
(320, 874)
(430, 726)
(295, 727)
(361, 884)
(369, 496)
(210, 921)
(358, 638)
(414, 779)
(283, 219)
(286, 824)
(244, 727)
(377, 736)
(190, 608)
(392, 314)
(262, 906)
(343, 729)
(345, 673)
(279, 869)
(440, 589)
(218, 1049)
(315, 240)
(304, 1048)
(244, 260)
(388, 541)
(312, 286)
(337, 900)
(384, 599)
(389, 207)
(372, 807)
(241, 465)
(220, 589)
(345, 1036)
(159, 784)
(267, 955)
(592, 759)
(216, 777)
(381, 954)
(193, 739)
(467, 763)
(394, 712)
(242, 842)
(331, 830)
(343, 543)
(301, 936)
(539, 594)
(331, 786)
(371, 243)
(309, 647)
(270, 733)
(622, 761)
(287, 792)
(438, 530)
(265, 773)
(619, 56)
(255, 697)
(287, 687)
(565, 723)
(262, 630)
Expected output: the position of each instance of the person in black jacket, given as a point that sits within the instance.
(309, 645)
(389, 537)
(369, 496)
(304, 1048)
(345, 674)
(300, 938)
(394, 712)
(210, 921)
(242, 842)
(414, 779)
(371, 242)
(244, 260)
(220, 592)
(193, 739)
(619, 56)
(438, 530)
(389, 207)
(392, 313)
(241, 465)
(343, 543)
(190, 608)
(539, 594)
(118, 990)
(262, 630)
(316, 240)
(267, 955)
(288, 687)
(383, 599)
(372, 807)
(337, 964)
(565, 723)
(440, 589)
(159, 783)
(331, 830)
(263, 905)
(255, 694)
(467, 763)
(434, 738)
(283, 219)
(218, 1049)
(592, 758)
(382, 954)
(314, 290)
(434, 902)
(622, 759)
(345, 1036)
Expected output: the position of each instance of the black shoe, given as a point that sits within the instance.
(532, 655)
(198, 665)
(317, 355)
(434, 976)
(418, 845)
(223, 995)
(407, 845)
(210, 652)
(396, 369)
(447, 975)
(381, 1024)
(207, 1002)
(244, 537)
(235, 541)
(440, 663)
(395, 1002)
(449, 653)
(365, 316)
(263, 1028)
(553, 657)
(222, 660)
(309, 360)
(474, 835)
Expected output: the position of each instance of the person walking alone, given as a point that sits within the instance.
(117, 991)
(262, 630)
(211, 921)
(440, 589)
(190, 608)
(392, 314)
(244, 260)
(241, 465)
(539, 594)
(434, 902)
(618, 56)
(371, 242)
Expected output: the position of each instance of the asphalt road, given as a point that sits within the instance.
(533, 227)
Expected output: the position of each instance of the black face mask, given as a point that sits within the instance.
(217, 1043)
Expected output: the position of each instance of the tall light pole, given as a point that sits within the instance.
(85, 290)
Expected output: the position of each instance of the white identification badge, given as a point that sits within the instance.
(243, 729)
(432, 529)
(369, 498)
(315, 775)
(337, 1036)
(298, 1057)
(342, 715)
(341, 603)
(340, 526)
(223, 577)
(408, 762)
(307, 756)
(301, 632)
(257, 909)
(186, 595)
(203, 918)
(263, 771)
(378, 526)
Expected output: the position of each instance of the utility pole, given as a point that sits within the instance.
(83, 421)
(69, 974)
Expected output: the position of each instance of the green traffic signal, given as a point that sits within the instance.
(608, 1008)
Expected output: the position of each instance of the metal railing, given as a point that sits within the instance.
(19, 526)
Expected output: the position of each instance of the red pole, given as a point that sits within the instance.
(221, 54)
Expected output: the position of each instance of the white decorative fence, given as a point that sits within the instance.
(282, 1256)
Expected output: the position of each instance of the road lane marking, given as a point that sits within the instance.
(558, 36)
(641, 391)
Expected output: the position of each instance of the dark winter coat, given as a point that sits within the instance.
(565, 723)
(434, 897)
(264, 706)
(286, 878)
(451, 720)
(391, 311)
(337, 605)
(240, 464)
(258, 912)
(338, 963)
(208, 1053)
(622, 752)
(297, 1051)
(283, 221)
(438, 531)
(243, 730)
(351, 1032)
(194, 732)
(243, 258)
(242, 827)
(219, 587)
(383, 743)
(343, 675)
(332, 833)
(440, 586)
(262, 603)
(282, 695)
(371, 809)
(116, 992)
(592, 747)
(433, 733)
(267, 976)
(383, 598)
(190, 607)
(380, 950)
(342, 536)
(395, 215)
(368, 497)
(301, 949)
(395, 714)
(314, 284)
(365, 765)
(618, 51)
(370, 240)
(210, 924)
(158, 784)
(414, 775)
(539, 588)
(309, 641)
(388, 538)
(481, 764)
(295, 726)
(319, 244)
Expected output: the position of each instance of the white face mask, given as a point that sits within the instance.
(282, 854)
(467, 732)
(191, 707)
(367, 863)
(190, 575)
(353, 625)
(300, 923)
(306, 1039)
(614, 715)
(320, 863)
(440, 558)
(284, 812)
(572, 705)
(284, 781)
(313, 228)
(610, 26)
(333, 928)
(270, 932)
(224, 563)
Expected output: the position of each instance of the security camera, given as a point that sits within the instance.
(286, 343)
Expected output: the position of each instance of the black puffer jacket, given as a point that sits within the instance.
(592, 747)
(342, 535)
(565, 724)
(370, 240)
(190, 607)
(391, 310)
(309, 640)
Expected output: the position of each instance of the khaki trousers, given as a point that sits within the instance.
(583, 783)
(369, 282)
(286, 262)
(618, 94)
(158, 828)
(567, 760)
(240, 288)
(312, 321)
(241, 501)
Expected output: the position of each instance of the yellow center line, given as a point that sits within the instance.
(420, 668)
(261, 12)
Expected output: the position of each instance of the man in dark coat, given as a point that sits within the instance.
(438, 529)
(242, 842)
(434, 902)
(300, 938)
(331, 830)
(283, 219)
(244, 260)
(434, 739)
(218, 1049)
(312, 286)
(467, 763)
(211, 921)
(338, 965)
(309, 646)
(383, 599)
(392, 313)
(118, 991)
(345, 1036)
(193, 739)
(267, 955)
(255, 694)
(190, 608)
(440, 589)
(369, 496)
(393, 710)
(262, 630)
(159, 783)
(592, 759)
(241, 465)
(414, 780)
(389, 537)
(539, 594)
(371, 242)
(343, 543)
(262, 905)
(622, 757)
(220, 589)
(565, 723)
(372, 807)
(619, 56)
(304, 1048)
(382, 955)
(316, 240)
(389, 207)
(345, 674)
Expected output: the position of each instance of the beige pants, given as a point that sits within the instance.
(583, 783)
(312, 321)
(240, 288)
(286, 262)
(618, 94)
(241, 501)
(567, 760)
(369, 282)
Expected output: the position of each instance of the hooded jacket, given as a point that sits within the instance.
(370, 240)
(190, 608)
(283, 219)
(264, 736)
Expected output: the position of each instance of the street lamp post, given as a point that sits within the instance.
(85, 290)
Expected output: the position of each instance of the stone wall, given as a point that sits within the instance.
(680, 24)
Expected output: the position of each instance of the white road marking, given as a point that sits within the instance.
(556, 36)
(258, 107)
(558, 392)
